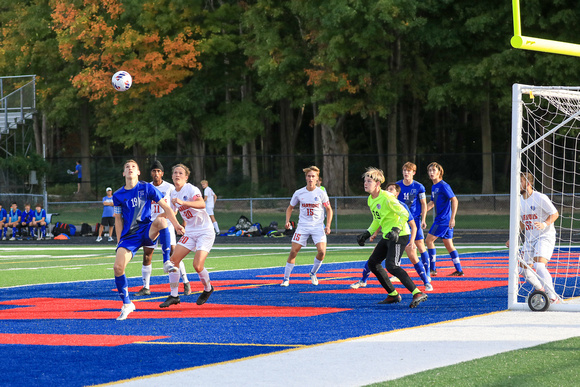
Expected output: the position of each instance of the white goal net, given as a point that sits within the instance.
(546, 145)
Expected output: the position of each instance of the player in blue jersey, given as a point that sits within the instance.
(13, 220)
(445, 203)
(134, 229)
(395, 189)
(26, 221)
(39, 221)
(413, 194)
(3, 221)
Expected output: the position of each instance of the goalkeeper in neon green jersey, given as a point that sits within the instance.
(389, 214)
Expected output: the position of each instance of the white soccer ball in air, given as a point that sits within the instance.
(122, 81)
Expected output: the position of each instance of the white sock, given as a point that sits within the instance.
(183, 273)
(216, 227)
(146, 275)
(546, 278)
(174, 283)
(316, 266)
(531, 277)
(204, 278)
(288, 270)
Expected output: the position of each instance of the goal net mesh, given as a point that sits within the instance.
(545, 143)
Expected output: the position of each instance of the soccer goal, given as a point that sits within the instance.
(546, 143)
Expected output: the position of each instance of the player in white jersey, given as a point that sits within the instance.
(199, 234)
(537, 217)
(313, 203)
(210, 199)
(157, 172)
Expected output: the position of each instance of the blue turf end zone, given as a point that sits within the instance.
(249, 314)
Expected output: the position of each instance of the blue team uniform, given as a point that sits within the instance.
(38, 217)
(27, 217)
(441, 194)
(3, 215)
(411, 195)
(135, 207)
(13, 217)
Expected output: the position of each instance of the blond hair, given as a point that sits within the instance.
(529, 178)
(130, 161)
(203, 182)
(410, 166)
(312, 168)
(436, 166)
(374, 174)
(187, 171)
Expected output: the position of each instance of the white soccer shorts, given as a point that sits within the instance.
(198, 241)
(302, 234)
(209, 210)
(541, 247)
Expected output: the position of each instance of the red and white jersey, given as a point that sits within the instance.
(196, 219)
(536, 208)
(165, 188)
(312, 204)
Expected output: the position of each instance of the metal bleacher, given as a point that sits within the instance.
(17, 102)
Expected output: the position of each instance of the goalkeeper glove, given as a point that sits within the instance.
(363, 237)
(393, 235)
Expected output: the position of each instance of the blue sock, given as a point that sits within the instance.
(165, 240)
(425, 260)
(43, 229)
(455, 258)
(123, 288)
(366, 272)
(420, 269)
(432, 257)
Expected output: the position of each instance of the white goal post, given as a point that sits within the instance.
(546, 143)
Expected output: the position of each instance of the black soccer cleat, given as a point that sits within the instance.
(143, 292)
(417, 299)
(433, 273)
(170, 301)
(391, 299)
(456, 273)
(204, 296)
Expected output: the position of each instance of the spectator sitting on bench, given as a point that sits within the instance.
(26, 221)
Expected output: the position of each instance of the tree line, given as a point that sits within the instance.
(392, 78)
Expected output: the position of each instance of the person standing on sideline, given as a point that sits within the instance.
(388, 214)
(39, 222)
(157, 172)
(199, 234)
(413, 195)
(395, 189)
(313, 202)
(108, 218)
(445, 203)
(537, 217)
(79, 172)
(134, 228)
(14, 218)
(210, 199)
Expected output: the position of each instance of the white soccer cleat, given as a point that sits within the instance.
(110, 239)
(395, 279)
(313, 279)
(169, 267)
(125, 310)
(285, 283)
(358, 284)
(99, 239)
(428, 287)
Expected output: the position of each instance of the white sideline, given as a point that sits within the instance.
(383, 356)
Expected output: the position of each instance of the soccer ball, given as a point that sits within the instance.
(122, 81)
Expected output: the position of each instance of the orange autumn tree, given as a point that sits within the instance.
(104, 36)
